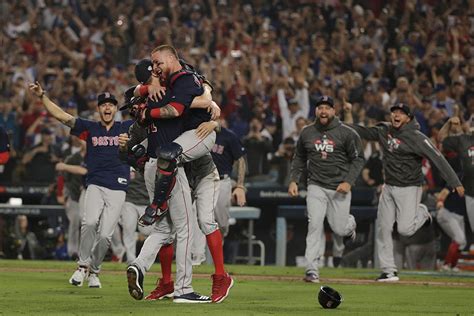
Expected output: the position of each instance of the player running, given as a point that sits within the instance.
(404, 147)
(106, 181)
(332, 154)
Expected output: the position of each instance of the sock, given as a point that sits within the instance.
(166, 258)
(452, 255)
(214, 242)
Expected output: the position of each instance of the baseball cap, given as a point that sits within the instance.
(325, 100)
(440, 87)
(46, 131)
(71, 104)
(106, 97)
(402, 106)
(270, 120)
(143, 70)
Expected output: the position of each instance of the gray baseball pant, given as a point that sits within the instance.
(222, 212)
(176, 222)
(453, 225)
(73, 213)
(401, 205)
(470, 210)
(206, 193)
(102, 208)
(320, 203)
(116, 243)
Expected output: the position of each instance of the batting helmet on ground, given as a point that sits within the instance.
(329, 297)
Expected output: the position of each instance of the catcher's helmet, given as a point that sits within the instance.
(329, 297)
(143, 70)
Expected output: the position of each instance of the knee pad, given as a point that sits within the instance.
(167, 156)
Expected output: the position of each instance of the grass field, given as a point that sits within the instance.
(41, 288)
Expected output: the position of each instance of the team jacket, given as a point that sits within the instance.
(332, 154)
(463, 146)
(403, 150)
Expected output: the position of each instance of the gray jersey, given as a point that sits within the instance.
(137, 193)
(403, 151)
(332, 154)
(463, 146)
(72, 182)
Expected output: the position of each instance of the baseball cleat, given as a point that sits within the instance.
(191, 298)
(311, 277)
(94, 280)
(388, 277)
(78, 276)
(135, 282)
(162, 290)
(221, 285)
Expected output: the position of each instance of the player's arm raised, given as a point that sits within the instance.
(52, 107)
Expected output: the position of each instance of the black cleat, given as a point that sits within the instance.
(191, 298)
(388, 277)
(135, 282)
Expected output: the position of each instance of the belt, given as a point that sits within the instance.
(224, 176)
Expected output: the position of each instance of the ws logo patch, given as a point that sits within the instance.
(393, 143)
(324, 146)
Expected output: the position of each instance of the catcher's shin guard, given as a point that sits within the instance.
(164, 183)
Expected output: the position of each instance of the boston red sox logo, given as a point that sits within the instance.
(324, 146)
(393, 143)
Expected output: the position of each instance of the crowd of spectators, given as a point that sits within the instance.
(267, 59)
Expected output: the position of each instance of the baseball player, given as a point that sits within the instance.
(73, 186)
(107, 181)
(452, 223)
(462, 146)
(204, 180)
(227, 151)
(168, 124)
(404, 147)
(183, 86)
(332, 154)
(136, 201)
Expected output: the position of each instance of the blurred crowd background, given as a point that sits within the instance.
(268, 60)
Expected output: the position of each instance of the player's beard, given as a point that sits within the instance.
(326, 120)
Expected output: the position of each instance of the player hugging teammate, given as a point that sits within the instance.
(179, 132)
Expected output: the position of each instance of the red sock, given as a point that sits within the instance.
(166, 258)
(452, 255)
(214, 242)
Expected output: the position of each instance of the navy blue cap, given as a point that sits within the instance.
(402, 106)
(143, 70)
(106, 97)
(325, 100)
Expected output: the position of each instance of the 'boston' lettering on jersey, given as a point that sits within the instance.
(105, 141)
